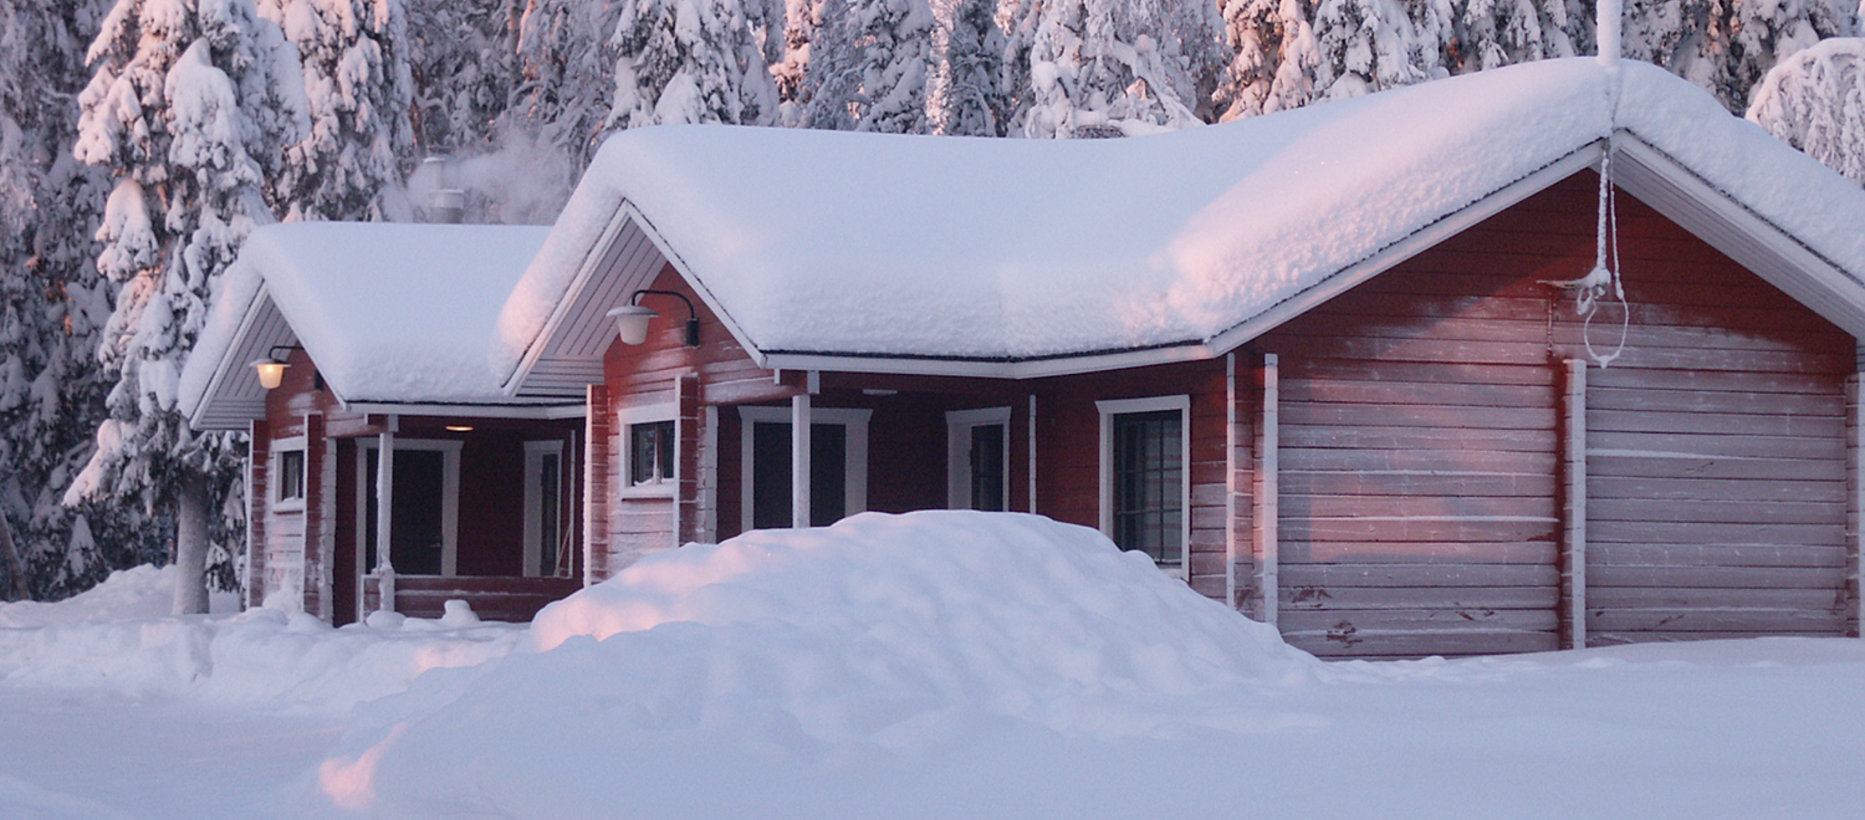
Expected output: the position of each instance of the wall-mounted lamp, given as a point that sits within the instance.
(631, 320)
(271, 369)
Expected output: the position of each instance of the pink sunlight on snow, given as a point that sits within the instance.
(930, 665)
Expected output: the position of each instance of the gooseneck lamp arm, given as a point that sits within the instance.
(634, 308)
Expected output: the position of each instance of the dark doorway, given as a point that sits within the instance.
(770, 474)
(417, 539)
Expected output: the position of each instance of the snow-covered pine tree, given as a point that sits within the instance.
(358, 90)
(689, 61)
(1815, 101)
(869, 67)
(53, 302)
(1271, 42)
(190, 106)
(462, 54)
(1726, 46)
(1115, 67)
(801, 19)
(566, 78)
(971, 99)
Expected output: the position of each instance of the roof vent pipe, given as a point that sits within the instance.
(448, 202)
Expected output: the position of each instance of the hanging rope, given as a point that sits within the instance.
(1604, 279)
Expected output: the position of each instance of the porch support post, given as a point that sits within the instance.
(1574, 501)
(1855, 499)
(1032, 453)
(1230, 479)
(385, 508)
(799, 460)
(258, 497)
(1266, 486)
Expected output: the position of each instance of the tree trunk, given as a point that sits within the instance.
(10, 562)
(191, 501)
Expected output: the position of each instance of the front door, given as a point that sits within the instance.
(423, 519)
(978, 459)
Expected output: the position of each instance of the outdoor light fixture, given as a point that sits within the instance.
(271, 369)
(631, 320)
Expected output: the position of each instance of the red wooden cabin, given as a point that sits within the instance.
(1385, 435)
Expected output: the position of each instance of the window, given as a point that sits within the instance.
(978, 459)
(648, 440)
(291, 475)
(1144, 488)
(650, 452)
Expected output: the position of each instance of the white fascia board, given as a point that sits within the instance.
(592, 256)
(988, 369)
(1413, 244)
(1812, 280)
(534, 412)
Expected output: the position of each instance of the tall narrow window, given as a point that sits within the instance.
(1145, 490)
(291, 475)
(650, 449)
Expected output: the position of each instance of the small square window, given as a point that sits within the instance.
(650, 452)
(291, 475)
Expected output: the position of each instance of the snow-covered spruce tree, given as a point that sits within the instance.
(1494, 33)
(566, 77)
(1815, 101)
(869, 67)
(190, 106)
(1272, 43)
(357, 94)
(53, 302)
(801, 19)
(1372, 45)
(462, 55)
(971, 99)
(1115, 67)
(1726, 46)
(689, 61)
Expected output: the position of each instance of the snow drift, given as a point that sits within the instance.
(117, 640)
(805, 649)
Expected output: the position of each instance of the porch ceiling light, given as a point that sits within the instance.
(271, 369)
(631, 320)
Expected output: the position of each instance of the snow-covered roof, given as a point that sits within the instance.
(390, 313)
(1018, 257)
(1011, 258)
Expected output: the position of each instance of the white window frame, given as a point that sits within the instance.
(275, 473)
(625, 420)
(449, 497)
(854, 423)
(535, 451)
(1152, 404)
(958, 427)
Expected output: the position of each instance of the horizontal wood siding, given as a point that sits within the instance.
(1068, 453)
(1716, 452)
(1420, 504)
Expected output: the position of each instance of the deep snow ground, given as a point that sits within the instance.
(902, 667)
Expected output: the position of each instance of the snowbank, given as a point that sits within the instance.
(781, 650)
(118, 640)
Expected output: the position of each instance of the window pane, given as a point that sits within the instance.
(1148, 484)
(291, 474)
(651, 446)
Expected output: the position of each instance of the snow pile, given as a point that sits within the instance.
(116, 640)
(880, 635)
(138, 592)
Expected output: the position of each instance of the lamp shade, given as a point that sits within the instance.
(271, 373)
(631, 323)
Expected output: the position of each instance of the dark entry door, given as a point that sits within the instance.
(417, 531)
(770, 474)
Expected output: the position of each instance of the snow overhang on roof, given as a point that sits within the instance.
(826, 250)
(392, 314)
